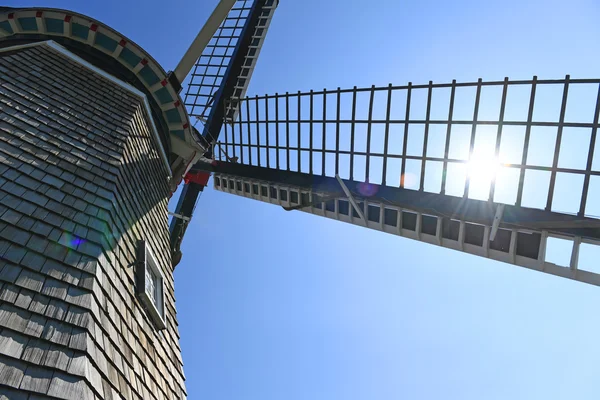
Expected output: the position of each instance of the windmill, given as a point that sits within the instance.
(95, 137)
(362, 156)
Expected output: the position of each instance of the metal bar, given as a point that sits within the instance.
(445, 122)
(588, 168)
(405, 144)
(351, 199)
(466, 84)
(257, 133)
(575, 254)
(448, 135)
(207, 84)
(233, 136)
(426, 136)
(386, 134)
(175, 215)
(277, 129)
(369, 126)
(499, 137)
(497, 221)
(526, 142)
(563, 109)
(352, 129)
(473, 133)
(241, 134)
(449, 160)
(267, 130)
(310, 146)
(299, 136)
(324, 136)
(226, 136)
(337, 133)
(249, 129)
(287, 130)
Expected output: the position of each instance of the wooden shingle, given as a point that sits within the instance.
(69, 387)
(11, 371)
(12, 343)
(36, 379)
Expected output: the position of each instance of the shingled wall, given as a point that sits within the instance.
(81, 181)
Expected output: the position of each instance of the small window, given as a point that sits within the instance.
(450, 229)
(373, 213)
(283, 195)
(409, 221)
(294, 197)
(150, 285)
(474, 234)
(330, 205)
(502, 241)
(304, 199)
(343, 207)
(390, 217)
(429, 225)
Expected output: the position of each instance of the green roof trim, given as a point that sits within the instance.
(129, 57)
(5, 25)
(173, 116)
(148, 75)
(163, 95)
(104, 41)
(79, 30)
(28, 23)
(55, 25)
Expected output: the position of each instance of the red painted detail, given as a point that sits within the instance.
(176, 104)
(68, 18)
(144, 61)
(38, 14)
(94, 27)
(201, 178)
(214, 163)
(186, 125)
(164, 82)
(11, 15)
(123, 42)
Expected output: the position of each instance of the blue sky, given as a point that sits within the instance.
(276, 304)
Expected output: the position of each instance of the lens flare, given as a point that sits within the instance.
(367, 189)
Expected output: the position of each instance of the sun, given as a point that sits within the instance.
(482, 170)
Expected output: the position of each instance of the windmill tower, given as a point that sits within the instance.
(95, 138)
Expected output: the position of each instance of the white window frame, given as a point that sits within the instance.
(154, 304)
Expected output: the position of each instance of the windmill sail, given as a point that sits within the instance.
(222, 72)
(496, 169)
(226, 65)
